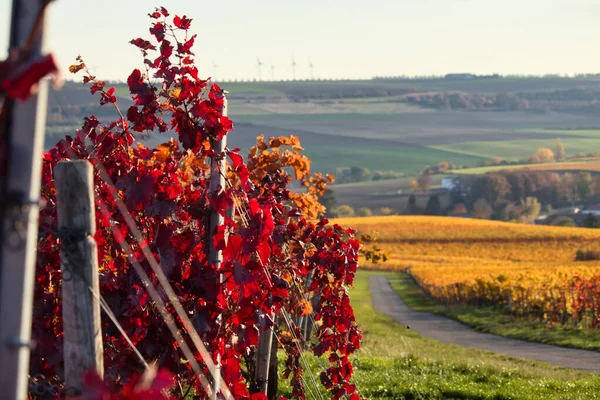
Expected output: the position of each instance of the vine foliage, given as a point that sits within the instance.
(270, 246)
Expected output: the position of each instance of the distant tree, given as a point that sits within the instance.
(508, 211)
(381, 175)
(440, 168)
(345, 211)
(385, 211)
(564, 221)
(433, 206)
(482, 209)
(444, 166)
(412, 200)
(364, 212)
(493, 188)
(459, 209)
(542, 154)
(329, 201)
(411, 207)
(546, 186)
(584, 185)
(538, 185)
(517, 182)
(424, 181)
(568, 185)
(557, 192)
(591, 221)
(560, 150)
(597, 184)
(414, 184)
(494, 161)
(530, 209)
(352, 175)
(509, 102)
(358, 174)
(459, 190)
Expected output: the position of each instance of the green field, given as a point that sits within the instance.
(325, 118)
(365, 88)
(515, 150)
(438, 135)
(236, 108)
(591, 133)
(385, 185)
(404, 158)
(369, 124)
(397, 363)
(587, 165)
(376, 105)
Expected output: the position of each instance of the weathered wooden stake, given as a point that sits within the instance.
(218, 171)
(263, 357)
(22, 140)
(79, 265)
(273, 379)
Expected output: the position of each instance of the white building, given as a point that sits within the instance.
(448, 183)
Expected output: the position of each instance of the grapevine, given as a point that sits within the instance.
(270, 246)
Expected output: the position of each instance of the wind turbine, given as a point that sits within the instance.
(293, 68)
(259, 65)
(310, 66)
(272, 72)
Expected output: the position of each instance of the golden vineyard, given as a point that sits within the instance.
(532, 270)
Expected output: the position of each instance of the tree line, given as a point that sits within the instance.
(550, 188)
(510, 195)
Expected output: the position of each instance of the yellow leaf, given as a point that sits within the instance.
(75, 68)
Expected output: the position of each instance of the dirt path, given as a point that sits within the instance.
(437, 327)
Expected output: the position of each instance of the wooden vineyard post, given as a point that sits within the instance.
(22, 125)
(218, 171)
(79, 266)
(263, 357)
(273, 377)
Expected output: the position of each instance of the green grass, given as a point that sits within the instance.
(555, 166)
(283, 120)
(495, 320)
(404, 158)
(397, 363)
(367, 105)
(237, 107)
(52, 129)
(372, 105)
(503, 85)
(404, 181)
(520, 149)
(507, 84)
(251, 89)
(396, 183)
(334, 141)
(121, 91)
(591, 133)
(492, 168)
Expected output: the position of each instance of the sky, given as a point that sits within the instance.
(344, 39)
